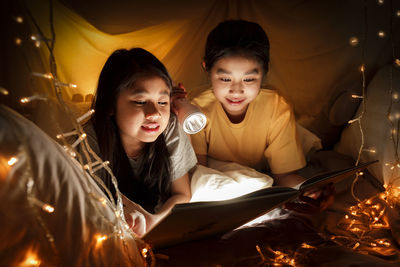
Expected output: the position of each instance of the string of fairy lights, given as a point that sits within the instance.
(121, 228)
(370, 215)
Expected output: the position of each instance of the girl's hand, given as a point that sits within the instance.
(136, 222)
(152, 219)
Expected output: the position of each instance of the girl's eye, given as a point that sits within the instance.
(163, 103)
(138, 102)
(225, 79)
(248, 80)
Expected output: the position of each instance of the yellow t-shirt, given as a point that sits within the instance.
(266, 136)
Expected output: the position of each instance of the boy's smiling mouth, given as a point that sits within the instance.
(234, 102)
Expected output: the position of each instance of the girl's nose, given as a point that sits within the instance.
(151, 112)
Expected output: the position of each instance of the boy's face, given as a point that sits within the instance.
(236, 81)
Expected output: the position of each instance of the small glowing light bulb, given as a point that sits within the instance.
(381, 2)
(18, 41)
(31, 259)
(117, 213)
(353, 41)
(145, 252)
(397, 62)
(370, 150)
(48, 208)
(99, 239)
(398, 13)
(12, 161)
(37, 44)
(103, 201)
(357, 96)
(395, 96)
(3, 91)
(43, 75)
(48, 76)
(19, 19)
(362, 68)
(381, 34)
(86, 115)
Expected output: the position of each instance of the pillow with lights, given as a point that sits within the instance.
(380, 133)
(52, 213)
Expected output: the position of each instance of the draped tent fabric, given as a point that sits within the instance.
(310, 50)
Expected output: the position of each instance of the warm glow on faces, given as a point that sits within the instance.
(236, 81)
(142, 113)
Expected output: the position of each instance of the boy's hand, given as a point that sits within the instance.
(178, 92)
(312, 202)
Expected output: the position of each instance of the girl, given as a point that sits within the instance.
(133, 129)
(246, 124)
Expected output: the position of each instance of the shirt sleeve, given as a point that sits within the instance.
(182, 155)
(199, 142)
(284, 153)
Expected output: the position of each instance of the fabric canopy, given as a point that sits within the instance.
(310, 51)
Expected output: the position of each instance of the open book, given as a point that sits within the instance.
(196, 220)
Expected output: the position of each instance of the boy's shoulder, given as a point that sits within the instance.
(205, 99)
(268, 93)
(272, 96)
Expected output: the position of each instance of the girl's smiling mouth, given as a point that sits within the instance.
(151, 127)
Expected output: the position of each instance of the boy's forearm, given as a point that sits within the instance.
(202, 160)
(288, 179)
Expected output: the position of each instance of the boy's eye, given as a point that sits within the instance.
(225, 79)
(163, 103)
(138, 102)
(249, 80)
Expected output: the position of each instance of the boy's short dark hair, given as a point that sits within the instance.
(237, 37)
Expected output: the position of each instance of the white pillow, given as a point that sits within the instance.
(376, 126)
(84, 230)
(225, 180)
(309, 141)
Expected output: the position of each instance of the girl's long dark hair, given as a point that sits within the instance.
(152, 182)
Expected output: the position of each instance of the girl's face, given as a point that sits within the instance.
(142, 113)
(236, 81)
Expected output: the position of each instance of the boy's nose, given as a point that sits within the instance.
(236, 88)
(151, 112)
